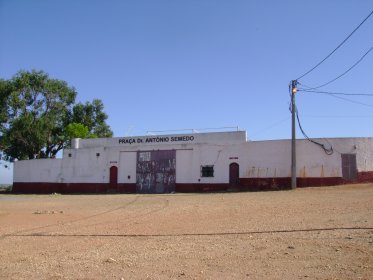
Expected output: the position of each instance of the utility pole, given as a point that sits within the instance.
(293, 140)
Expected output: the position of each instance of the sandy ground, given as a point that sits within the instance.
(312, 233)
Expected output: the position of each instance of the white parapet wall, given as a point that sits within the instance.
(114, 162)
(38, 170)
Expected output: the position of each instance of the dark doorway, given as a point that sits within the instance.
(234, 175)
(349, 169)
(113, 177)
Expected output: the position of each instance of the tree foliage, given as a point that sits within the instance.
(78, 130)
(93, 117)
(38, 116)
(5, 91)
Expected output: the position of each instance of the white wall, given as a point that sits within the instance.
(184, 166)
(85, 166)
(256, 159)
(38, 170)
(273, 158)
(140, 142)
(127, 167)
(364, 148)
(6, 172)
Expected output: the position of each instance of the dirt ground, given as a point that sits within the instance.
(311, 233)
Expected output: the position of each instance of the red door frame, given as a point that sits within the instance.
(113, 176)
(234, 174)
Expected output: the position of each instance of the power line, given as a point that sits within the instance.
(317, 65)
(269, 127)
(344, 73)
(335, 95)
(328, 151)
(294, 110)
(338, 116)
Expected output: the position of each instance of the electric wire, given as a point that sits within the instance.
(269, 127)
(328, 151)
(335, 95)
(344, 73)
(339, 116)
(318, 64)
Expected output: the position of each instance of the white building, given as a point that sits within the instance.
(193, 162)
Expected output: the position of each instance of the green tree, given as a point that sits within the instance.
(93, 117)
(35, 114)
(37, 111)
(5, 91)
(78, 130)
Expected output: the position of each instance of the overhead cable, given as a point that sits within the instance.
(335, 95)
(344, 73)
(318, 64)
(328, 151)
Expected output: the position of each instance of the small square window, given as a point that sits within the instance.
(70, 155)
(207, 171)
(97, 154)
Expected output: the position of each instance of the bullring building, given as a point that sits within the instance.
(195, 162)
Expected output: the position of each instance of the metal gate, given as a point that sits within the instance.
(349, 169)
(156, 171)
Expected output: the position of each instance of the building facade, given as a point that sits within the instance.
(193, 163)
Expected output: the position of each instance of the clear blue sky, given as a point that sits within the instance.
(162, 65)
